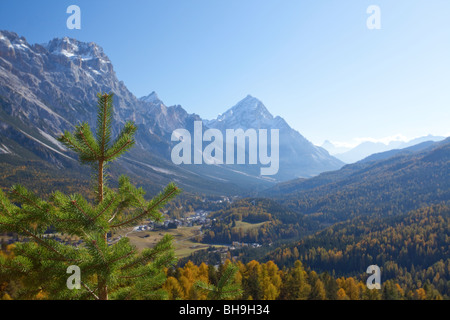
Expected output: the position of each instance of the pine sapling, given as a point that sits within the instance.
(108, 270)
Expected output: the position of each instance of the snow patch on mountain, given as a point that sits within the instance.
(152, 98)
(52, 140)
(157, 169)
(45, 145)
(4, 150)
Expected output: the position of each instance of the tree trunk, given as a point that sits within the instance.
(100, 182)
(102, 290)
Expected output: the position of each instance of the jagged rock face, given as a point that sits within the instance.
(54, 86)
(298, 156)
(48, 88)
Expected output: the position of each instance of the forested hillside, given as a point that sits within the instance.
(257, 220)
(412, 249)
(384, 188)
(267, 281)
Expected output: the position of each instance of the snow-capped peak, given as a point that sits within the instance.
(75, 49)
(248, 108)
(12, 41)
(247, 113)
(152, 98)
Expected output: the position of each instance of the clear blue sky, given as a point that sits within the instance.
(314, 63)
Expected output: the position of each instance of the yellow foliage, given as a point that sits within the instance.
(41, 295)
(6, 297)
(420, 294)
(341, 295)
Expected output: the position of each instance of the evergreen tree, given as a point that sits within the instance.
(251, 281)
(175, 291)
(391, 291)
(317, 287)
(212, 275)
(295, 285)
(226, 287)
(331, 287)
(108, 270)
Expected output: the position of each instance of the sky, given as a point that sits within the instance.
(314, 63)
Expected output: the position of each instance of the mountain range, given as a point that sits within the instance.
(47, 88)
(298, 156)
(389, 207)
(366, 148)
(385, 184)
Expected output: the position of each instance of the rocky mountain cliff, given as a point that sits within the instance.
(48, 88)
(298, 156)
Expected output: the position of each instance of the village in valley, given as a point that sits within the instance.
(187, 232)
(200, 218)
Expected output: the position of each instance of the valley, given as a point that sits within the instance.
(312, 220)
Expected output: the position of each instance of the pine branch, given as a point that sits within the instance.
(15, 190)
(89, 290)
(123, 257)
(83, 137)
(113, 216)
(75, 204)
(128, 143)
(110, 203)
(104, 121)
(230, 271)
(124, 141)
(150, 209)
(6, 207)
(16, 261)
(68, 140)
(38, 240)
(134, 276)
(224, 288)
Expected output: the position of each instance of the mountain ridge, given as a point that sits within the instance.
(300, 157)
(47, 88)
(367, 148)
(387, 186)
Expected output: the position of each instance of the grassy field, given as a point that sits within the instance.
(248, 226)
(184, 241)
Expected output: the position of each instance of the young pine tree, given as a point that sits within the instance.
(108, 270)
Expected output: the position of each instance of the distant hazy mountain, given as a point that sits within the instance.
(368, 148)
(404, 151)
(332, 149)
(298, 156)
